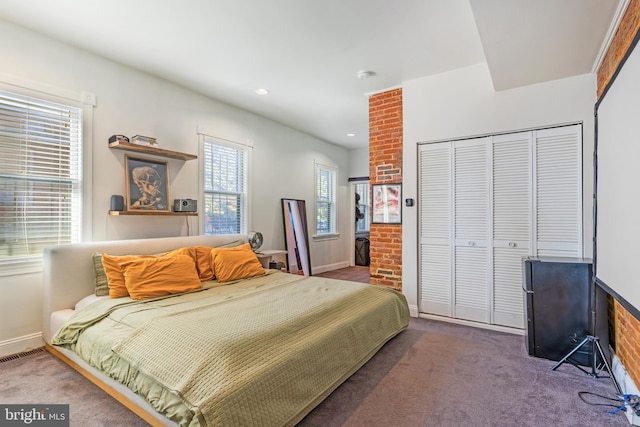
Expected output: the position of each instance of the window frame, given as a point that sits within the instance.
(245, 198)
(333, 202)
(84, 102)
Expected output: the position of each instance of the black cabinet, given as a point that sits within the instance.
(558, 308)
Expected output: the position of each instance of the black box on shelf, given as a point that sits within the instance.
(118, 138)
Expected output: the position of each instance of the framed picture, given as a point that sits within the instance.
(147, 184)
(386, 199)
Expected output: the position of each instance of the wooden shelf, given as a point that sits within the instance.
(151, 150)
(141, 212)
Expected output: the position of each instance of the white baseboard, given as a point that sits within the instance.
(413, 311)
(626, 384)
(21, 344)
(497, 328)
(329, 267)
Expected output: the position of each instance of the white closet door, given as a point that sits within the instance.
(511, 175)
(558, 190)
(471, 296)
(435, 255)
(486, 203)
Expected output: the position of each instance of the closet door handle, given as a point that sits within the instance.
(512, 244)
(472, 243)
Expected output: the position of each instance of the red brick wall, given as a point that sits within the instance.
(627, 339)
(385, 166)
(619, 45)
(626, 335)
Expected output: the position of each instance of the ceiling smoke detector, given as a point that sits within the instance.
(363, 75)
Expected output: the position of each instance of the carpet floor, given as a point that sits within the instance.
(433, 374)
(443, 374)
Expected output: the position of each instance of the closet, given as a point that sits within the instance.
(485, 204)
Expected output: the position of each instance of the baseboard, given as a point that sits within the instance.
(329, 267)
(626, 384)
(413, 311)
(21, 344)
(497, 328)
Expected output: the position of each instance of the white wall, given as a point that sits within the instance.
(130, 102)
(463, 103)
(359, 162)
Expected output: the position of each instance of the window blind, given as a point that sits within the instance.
(225, 188)
(40, 175)
(325, 199)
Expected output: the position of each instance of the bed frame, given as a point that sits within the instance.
(68, 276)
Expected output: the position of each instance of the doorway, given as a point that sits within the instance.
(361, 207)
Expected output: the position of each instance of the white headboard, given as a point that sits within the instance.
(68, 274)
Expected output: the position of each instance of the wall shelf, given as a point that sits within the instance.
(151, 150)
(160, 213)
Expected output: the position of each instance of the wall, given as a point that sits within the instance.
(359, 162)
(130, 102)
(385, 167)
(626, 336)
(462, 103)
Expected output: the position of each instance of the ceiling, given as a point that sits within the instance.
(308, 53)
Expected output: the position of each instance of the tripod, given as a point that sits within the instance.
(595, 345)
(595, 368)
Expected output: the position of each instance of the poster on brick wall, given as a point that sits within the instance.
(386, 203)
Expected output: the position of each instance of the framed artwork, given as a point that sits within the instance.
(147, 183)
(386, 203)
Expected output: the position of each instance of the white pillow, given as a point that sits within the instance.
(89, 299)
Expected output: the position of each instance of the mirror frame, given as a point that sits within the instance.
(296, 236)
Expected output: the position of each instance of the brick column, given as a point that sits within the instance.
(385, 166)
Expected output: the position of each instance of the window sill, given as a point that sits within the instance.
(14, 267)
(329, 236)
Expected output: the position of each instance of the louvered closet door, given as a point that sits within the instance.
(558, 190)
(470, 195)
(511, 224)
(485, 204)
(435, 229)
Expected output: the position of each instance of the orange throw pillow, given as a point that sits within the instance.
(115, 279)
(158, 276)
(113, 270)
(203, 262)
(203, 259)
(235, 263)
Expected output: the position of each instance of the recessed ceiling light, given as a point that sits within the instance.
(262, 91)
(351, 134)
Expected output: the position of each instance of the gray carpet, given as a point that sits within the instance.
(433, 374)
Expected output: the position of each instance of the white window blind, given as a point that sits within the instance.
(325, 199)
(40, 175)
(225, 187)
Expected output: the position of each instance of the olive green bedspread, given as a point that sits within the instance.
(262, 351)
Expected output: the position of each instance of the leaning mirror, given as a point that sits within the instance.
(296, 237)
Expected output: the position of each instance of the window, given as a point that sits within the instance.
(225, 187)
(40, 176)
(325, 199)
(363, 207)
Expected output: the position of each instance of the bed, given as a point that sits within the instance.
(261, 350)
